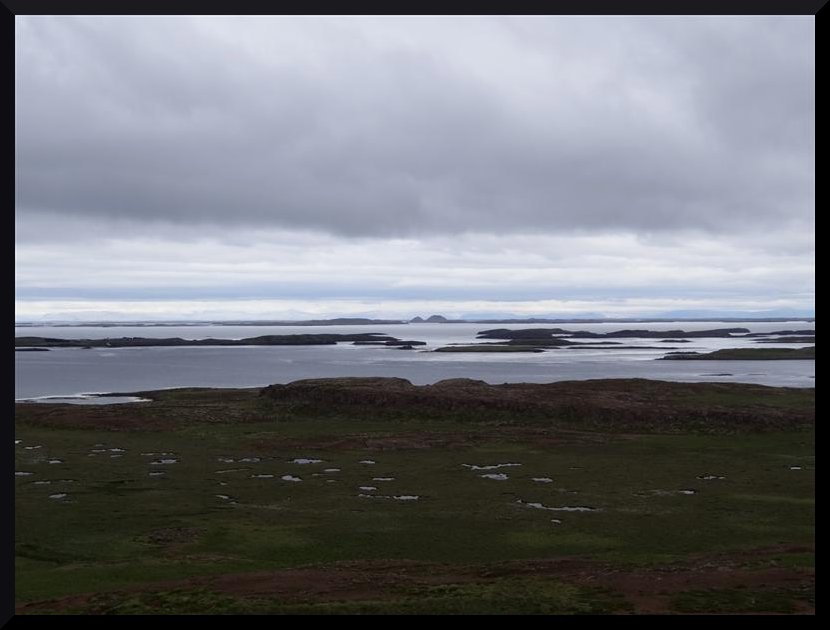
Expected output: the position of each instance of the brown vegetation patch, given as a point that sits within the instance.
(649, 590)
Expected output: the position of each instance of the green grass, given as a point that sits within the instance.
(121, 528)
(739, 601)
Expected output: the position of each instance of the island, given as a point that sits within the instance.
(745, 354)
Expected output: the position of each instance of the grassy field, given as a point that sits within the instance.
(211, 513)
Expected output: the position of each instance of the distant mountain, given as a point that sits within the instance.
(437, 319)
(416, 320)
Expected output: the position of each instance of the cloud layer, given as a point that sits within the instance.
(410, 126)
(471, 158)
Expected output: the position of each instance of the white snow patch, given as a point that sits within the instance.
(261, 476)
(290, 478)
(60, 495)
(304, 460)
(496, 476)
(491, 467)
(367, 461)
(330, 470)
(567, 508)
(383, 479)
(367, 488)
(543, 479)
(22, 473)
(164, 462)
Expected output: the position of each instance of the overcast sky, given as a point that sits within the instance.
(209, 167)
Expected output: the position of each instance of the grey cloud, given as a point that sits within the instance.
(388, 127)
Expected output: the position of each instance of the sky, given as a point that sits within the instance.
(202, 167)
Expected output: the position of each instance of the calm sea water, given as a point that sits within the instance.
(73, 371)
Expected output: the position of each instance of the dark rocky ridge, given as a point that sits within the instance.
(745, 354)
(619, 403)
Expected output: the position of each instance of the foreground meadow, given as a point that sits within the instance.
(365, 496)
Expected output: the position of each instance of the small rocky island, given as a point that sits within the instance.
(745, 354)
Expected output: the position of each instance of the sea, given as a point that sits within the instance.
(75, 372)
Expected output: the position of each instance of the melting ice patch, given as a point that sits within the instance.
(367, 488)
(367, 461)
(164, 462)
(331, 470)
(22, 473)
(710, 477)
(290, 478)
(60, 495)
(566, 508)
(261, 476)
(496, 476)
(399, 497)
(383, 479)
(491, 467)
(543, 479)
(305, 460)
